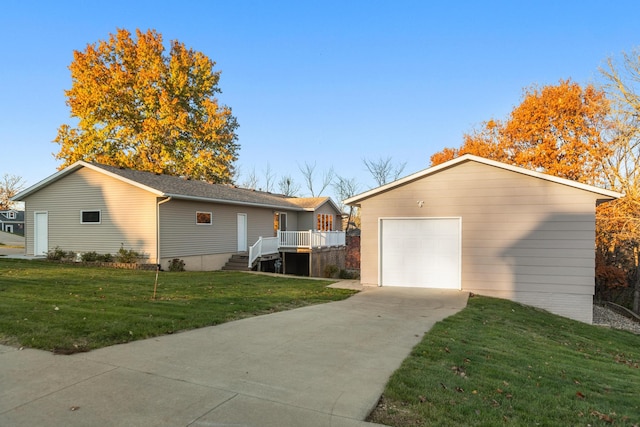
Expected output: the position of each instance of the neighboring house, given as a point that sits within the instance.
(12, 221)
(93, 207)
(484, 227)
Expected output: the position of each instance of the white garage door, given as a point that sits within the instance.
(420, 252)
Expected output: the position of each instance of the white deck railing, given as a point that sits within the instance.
(295, 239)
(264, 246)
(310, 239)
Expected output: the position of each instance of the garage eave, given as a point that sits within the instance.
(603, 193)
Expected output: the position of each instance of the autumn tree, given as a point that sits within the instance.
(10, 185)
(619, 221)
(139, 107)
(556, 129)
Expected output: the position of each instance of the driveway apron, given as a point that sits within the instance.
(324, 365)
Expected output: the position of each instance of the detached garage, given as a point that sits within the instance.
(485, 227)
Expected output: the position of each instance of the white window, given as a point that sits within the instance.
(11, 215)
(204, 218)
(90, 217)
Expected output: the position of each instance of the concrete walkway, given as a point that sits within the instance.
(324, 365)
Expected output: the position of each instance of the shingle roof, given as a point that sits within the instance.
(308, 202)
(178, 187)
(181, 188)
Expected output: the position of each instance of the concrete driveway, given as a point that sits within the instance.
(324, 365)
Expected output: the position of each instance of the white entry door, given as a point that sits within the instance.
(242, 232)
(420, 252)
(40, 233)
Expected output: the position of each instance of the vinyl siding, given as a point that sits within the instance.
(309, 220)
(128, 214)
(180, 236)
(521, 235)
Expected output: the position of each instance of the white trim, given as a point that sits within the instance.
(380, 242)
(468, 157)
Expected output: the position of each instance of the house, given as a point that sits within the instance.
(93, 207)
(485, 227)
(12, 221)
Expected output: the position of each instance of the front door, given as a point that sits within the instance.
(40, 233)
(8, 228)
(242, 232)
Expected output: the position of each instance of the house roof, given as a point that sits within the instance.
(181, 188)
(607, 194)
(312, 203)
(19, 216)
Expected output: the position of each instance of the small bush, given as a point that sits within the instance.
(58, 254)
(90, 256)
(348, 275)
(126, 256)
(105, 258)
(176, 265)
(330, 270)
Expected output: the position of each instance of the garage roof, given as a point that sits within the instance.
(355, 200)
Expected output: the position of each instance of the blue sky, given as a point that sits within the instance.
(324, 82)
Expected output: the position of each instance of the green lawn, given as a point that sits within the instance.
(501, 363)
(67, 308)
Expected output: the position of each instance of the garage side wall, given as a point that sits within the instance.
(523, 238)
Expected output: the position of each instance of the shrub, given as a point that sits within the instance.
(90, 256)
(330, 270)
(176, 265)
(56, 254)
(105, 258)
(126, 256)
(348, 275)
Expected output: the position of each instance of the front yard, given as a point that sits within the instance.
(67, 308)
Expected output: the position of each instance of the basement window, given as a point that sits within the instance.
(204, 218)
(90, 217)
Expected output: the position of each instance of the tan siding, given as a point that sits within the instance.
(180, 236)
(520, 234)
(128, 214)
(293, 220)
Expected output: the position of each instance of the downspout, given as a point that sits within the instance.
(158, 228)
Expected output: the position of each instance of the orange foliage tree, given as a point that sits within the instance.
(140, 108)
(556, 129)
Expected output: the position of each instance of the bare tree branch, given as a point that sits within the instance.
(383, 170)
